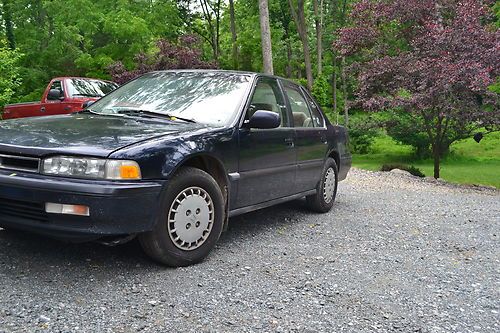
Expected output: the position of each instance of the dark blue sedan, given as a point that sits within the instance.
(169, 157)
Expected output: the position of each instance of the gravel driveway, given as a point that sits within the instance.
(396, 254)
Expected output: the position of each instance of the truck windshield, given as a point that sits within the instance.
(89, 88)
(210, 98)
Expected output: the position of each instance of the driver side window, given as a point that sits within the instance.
(268, 97)
(57, 85)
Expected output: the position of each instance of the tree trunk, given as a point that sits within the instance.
(300, 20)
(344, 90)
(210, 10)
(234, 37)
(335, 86)
(318, 22)
(285, 22)
(265, 33)
(288, 55)
(9, 27)
(437, 157)
(217, 29)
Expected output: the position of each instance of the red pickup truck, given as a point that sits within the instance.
(63, 95)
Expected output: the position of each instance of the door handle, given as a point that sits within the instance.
(42, 109)
(289, 142)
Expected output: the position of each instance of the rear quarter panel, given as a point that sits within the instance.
(339, 145)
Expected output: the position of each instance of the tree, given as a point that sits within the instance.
(234, 37)
(265, 32)
(432, 59)
(318, 22)
(10, 78)
(204, 21)
(7, 20)
(299, 17)
(184, 54)
(285, 20)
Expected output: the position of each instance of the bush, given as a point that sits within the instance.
(363, 129)
(406, 129)
(321, 91)
(410, 168)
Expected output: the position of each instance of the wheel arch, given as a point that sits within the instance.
(336, 156)
(215, 168)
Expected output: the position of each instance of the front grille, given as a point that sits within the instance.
(19, 163)
(24, 210)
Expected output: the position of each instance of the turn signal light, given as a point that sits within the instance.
(130, 172)
(56, 208)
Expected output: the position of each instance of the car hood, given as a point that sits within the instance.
(82, 134)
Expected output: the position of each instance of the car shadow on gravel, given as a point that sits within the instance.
(21, 251)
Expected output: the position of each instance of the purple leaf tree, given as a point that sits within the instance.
(185, 54)
(433, 59)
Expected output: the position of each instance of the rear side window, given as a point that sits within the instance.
(300, 111)
(317, 117)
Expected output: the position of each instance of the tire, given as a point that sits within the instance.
(322, 201)
(191, 221)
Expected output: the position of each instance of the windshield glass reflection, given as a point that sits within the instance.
(90, 88)
(206, 97)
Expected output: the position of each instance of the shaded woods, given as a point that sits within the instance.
(425, 71)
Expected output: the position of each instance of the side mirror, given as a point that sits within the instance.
(264, 120)
(87, 104)
(55, 94)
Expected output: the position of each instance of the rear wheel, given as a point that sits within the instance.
(326, 190)
(191, 222)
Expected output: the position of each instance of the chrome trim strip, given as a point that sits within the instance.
(234, 176)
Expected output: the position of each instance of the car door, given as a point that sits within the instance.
(267, 157)
(55, 106)
(310, 137)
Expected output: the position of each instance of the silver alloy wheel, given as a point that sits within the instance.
(329, 185)
(190, 218)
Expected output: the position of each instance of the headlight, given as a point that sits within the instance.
(91, 168)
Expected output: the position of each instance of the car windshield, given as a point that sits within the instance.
(90, 88)
(210, 98)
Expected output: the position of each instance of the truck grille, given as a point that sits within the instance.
(24, 210)
(19, 163)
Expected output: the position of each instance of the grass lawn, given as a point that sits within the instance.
(468, 162)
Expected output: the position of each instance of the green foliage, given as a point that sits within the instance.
(321, 91)
(83, 37)
(469, 162)
(363, 130)
(10, 78)
(408, 129)
(496, 86)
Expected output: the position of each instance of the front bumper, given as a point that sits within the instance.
(116, 208)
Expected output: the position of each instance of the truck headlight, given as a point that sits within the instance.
(95, 168)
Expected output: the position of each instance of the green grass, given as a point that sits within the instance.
(468, 162)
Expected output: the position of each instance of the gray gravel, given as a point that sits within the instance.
(396, 254)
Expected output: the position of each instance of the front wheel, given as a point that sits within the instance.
(326, 190)
(191, 223)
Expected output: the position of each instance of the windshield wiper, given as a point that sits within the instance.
(87, 95)
(152, 114)
(88, 111)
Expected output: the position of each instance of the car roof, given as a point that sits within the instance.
(80, 77)
(253, 74)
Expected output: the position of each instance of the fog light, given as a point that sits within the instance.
(56, 208)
